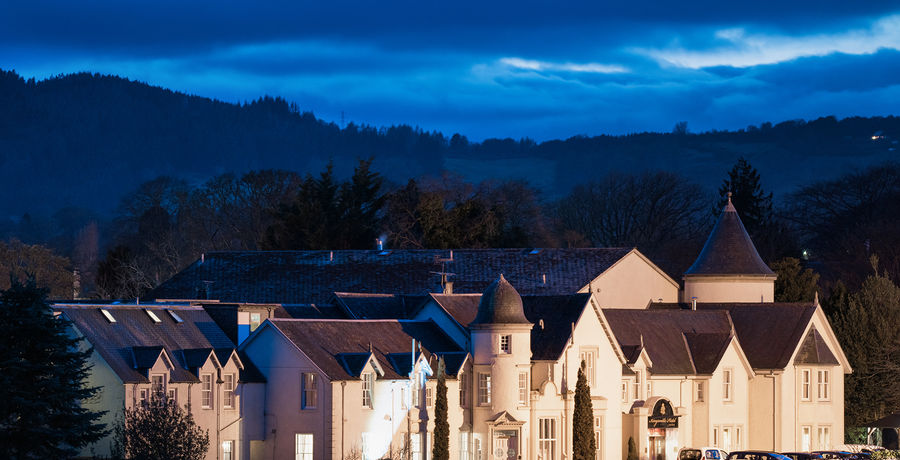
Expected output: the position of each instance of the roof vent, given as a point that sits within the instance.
(152, 316)
(535, 251)
(175, 316)
(106, 314)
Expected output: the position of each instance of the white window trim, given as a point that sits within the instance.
(823, 386)
(229, 396)
(699, 391)
(312, 448)
(484, 394)
(727, 385)
(206, 393)
(805, 384)
(304, 389)
(523, 389)
(505, 348)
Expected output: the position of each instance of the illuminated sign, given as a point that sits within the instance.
(662, 416)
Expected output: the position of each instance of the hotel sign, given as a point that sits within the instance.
(662, 416)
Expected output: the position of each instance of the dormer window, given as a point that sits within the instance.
(505, 344)
(368, 384)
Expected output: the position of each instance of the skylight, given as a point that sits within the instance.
(153, 316)
(107, 315)
(175, 316)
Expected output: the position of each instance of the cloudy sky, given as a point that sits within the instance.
(526, 68)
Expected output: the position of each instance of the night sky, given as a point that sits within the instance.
(533, 69)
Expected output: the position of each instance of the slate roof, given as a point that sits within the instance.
(678, 342)
(462, 307)
(378, 306)
(814, 350)
(769, 332)
(729, 250)
(340, 347)
(135, 341)
(558, 313)
(500, 304)
(299, 277)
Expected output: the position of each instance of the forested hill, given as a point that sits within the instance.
(86, 140)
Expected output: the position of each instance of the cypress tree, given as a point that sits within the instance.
(583, 444)
(441, 448)
(44, 376)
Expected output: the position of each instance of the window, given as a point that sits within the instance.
(823, 385)
(158, 385)
(824, 437)
(106, 314)
(479, 453)
(805, 384)
(699, 395)
(309, 394)
(142, 396)
(304, 447)
(367, 384)
(255, 319)
(175, 316)
(523, 388)
(368, 447)
(738, 442)
(416, 392)
(716, 437)
(726, 385)
(228, 391)
(415, 446)
(598, 437)
(637, 384)
(206, 400)
(624, 391)
(587, 357)
(152, 316)
(547, 438)
(726, 438)
(649, 388)
(429, 397)
(804, 438)
(484, 388)
(464, 446)
(464, 390)
(173, 395)
(227, 450)
(404, 397)
(506, 344)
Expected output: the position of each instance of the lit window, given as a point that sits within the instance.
(824, 438)
(726, 438)
(152, 316)
(484, 388)
(700, 395)
(805, 384)
(227, 450)
(726, 385)
(107, 315)
(228, 391)
(206, 399)
(304, 447)
(255, 319)
(157, 385)
(587, 357)
(463, 446)
(823, 385)
(309, 391)
(804, 438)
(547, 438)
(523, 388)
(367, 385)
(506, 344)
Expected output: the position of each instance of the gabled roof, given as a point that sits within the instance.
(729, 250)
(136, 340)
(558, 313)
(814, 350)
(769, 333)
(462, 307)
(341, 347)
(678, 342)
(297, 277)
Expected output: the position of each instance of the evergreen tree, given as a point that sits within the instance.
(361, 204)
(441, 448)
(584, 445)
(752, 203)
(632, 450)
(44, 376)
(794, 283)
(160, 429)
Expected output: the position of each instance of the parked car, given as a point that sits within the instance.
(756, 455)
(836, 454)
(803, 455)
(701, 453)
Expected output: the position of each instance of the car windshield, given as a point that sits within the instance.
(713, 454)
(689, 454)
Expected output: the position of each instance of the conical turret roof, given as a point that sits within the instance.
(500, 304)
(729, 250)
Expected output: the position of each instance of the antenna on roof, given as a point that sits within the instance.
(446, 285)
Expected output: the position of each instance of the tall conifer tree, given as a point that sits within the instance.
(583, 444)
(441, 449)
(44, 376)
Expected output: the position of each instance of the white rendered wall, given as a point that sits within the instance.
(632, 282)
(729, 289)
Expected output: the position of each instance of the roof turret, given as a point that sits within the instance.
(729, 250)
(500, 304)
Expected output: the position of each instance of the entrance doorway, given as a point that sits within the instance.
(657, 448)
(506, 445)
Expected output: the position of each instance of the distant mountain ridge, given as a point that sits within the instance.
(87, 139)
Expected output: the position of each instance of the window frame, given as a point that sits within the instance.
(368, 390)
(547, 437)
(727, 385)
(588, 358)
(699, 394)
(505, 345)
(206, 391)
(484, 388)
(823, 390)
(229, 385)
(805, 384)
(309, 391)
(228, 454)
(298, 455)
(523, 388)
